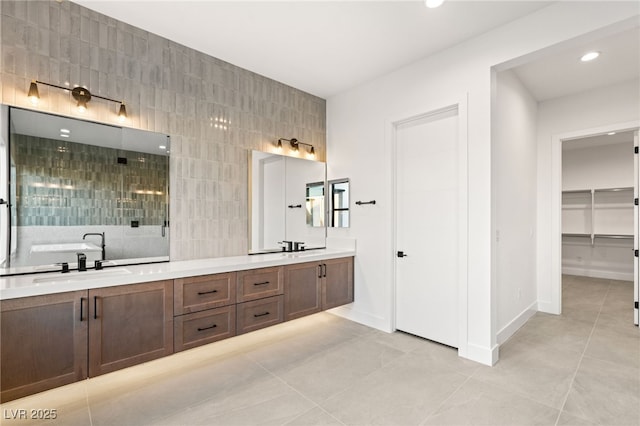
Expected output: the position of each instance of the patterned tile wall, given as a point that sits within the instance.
(61, 183)
(214, 111)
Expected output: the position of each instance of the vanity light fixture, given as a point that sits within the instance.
(33, 94)
(80, 94)
(295, 144)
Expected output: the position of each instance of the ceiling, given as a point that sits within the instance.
(321, 47)
(598, 140)
(562, 73)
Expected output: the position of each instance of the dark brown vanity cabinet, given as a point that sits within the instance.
(337, 282)
(43, 343)
(129, 324)
(205, 309)
(302, 290)
(317, 286)
(260, 298)
(52, 340)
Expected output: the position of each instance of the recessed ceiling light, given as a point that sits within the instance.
(590, 56)
(433, 3)
(611, 133)
(64, 135)
(65, 131)
(162, 147)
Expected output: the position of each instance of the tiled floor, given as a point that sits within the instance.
(580, 368)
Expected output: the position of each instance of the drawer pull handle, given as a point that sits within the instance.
(264, 283)
(207, 328)
(200, 293)
(260, 315)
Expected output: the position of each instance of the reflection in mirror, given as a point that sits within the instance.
(84, 187)
(286, 202)
(339, 203)
(315, 204)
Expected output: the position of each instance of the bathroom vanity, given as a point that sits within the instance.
(61, 328)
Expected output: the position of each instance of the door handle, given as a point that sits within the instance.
(401, 254)
(82, 299)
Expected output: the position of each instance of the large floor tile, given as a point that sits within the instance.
(619, 344)
(331, 372)
(143, 403)
(315, 417)
(544, 375)
(605, 393)
(66, 405)
(404, 392)
(477, 403)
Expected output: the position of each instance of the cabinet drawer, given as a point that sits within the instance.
(196, 294)
(259, 314)
(259, 283)
(199, 328)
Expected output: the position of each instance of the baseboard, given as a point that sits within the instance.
(481, 354)
(515, 324)
(548, 308)
(363, 318)
(595, 273)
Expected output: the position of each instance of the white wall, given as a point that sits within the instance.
(358, 147)
(514, 196)
(594, 109)
(605, 166)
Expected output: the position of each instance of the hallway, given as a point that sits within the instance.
(580, 368)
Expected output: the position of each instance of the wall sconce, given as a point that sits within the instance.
(295, 143)
(80, 94)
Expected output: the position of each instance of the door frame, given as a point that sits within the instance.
(459, 103)
(554, 306)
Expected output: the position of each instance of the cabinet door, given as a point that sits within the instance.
(43, 343)
(196, 294)
(302, 289)
(129, 325)
(337, 285)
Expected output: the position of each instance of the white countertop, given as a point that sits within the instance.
(56, 282)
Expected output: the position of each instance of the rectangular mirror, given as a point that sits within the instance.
(83, 187)
(339, 203)
(286, 202)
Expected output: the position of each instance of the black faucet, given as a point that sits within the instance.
(287, 245)
(82, 262)
(101, 235)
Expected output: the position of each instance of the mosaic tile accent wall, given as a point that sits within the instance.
(214, 111)
(61, 183)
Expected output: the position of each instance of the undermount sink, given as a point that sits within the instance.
(79, 276)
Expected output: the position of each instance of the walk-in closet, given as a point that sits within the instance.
(598, 193)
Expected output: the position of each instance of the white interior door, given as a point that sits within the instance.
(427, 217)
(636, 229)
